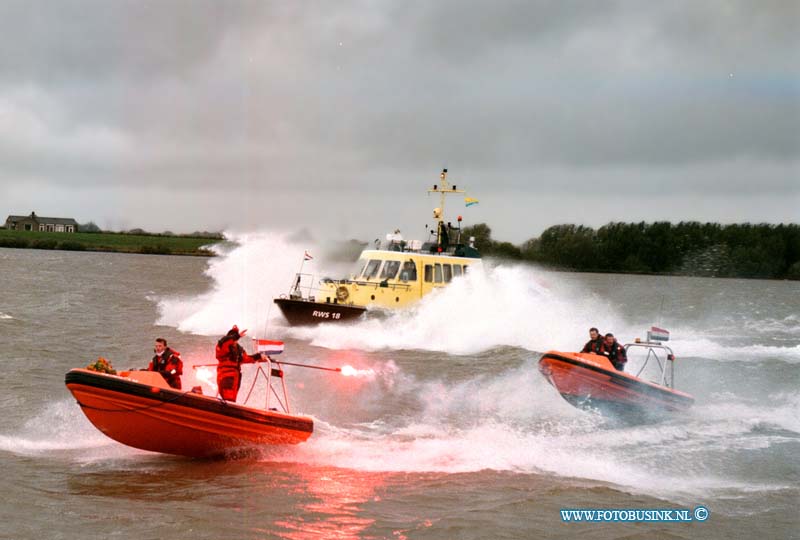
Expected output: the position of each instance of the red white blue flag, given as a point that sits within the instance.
(307, 256)
(657, 334)
(269, 347)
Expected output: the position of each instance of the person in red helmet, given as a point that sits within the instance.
(167, 362)
(231, 356)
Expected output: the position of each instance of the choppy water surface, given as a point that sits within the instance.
(455, 436)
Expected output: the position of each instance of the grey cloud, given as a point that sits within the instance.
(684, 32)
(59, 42)
(325, 98)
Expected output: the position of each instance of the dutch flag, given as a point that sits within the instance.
(657, 334)
(307, 256)
(269, 347)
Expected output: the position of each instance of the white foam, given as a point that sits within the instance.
(497, 446)
(60, 430)
(59, 426)
(511, 420)
(692, 344)
(512, 305)
(505, 305)
(789, 325)
(514, 421)
(5, 316)
(247, 277)
(781, 410)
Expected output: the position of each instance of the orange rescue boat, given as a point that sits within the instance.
(590, 381)
(139, 409)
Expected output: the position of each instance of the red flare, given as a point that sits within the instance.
(350, 371)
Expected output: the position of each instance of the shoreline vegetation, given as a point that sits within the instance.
(688, 248)
(135, 241)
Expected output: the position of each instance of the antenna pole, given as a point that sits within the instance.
(442, 189)
(296, 284)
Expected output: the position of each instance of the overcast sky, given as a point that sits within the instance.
(337, 116)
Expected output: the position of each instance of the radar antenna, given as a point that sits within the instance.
(442, 189)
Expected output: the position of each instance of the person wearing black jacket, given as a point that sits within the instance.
(615, 352)
(595, 343)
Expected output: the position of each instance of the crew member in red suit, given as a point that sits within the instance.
(231, 356)
(167, 362)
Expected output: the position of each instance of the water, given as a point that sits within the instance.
(456, 435)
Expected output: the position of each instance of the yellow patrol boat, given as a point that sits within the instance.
(393, 275)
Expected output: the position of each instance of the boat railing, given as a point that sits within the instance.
(662, 356)
(304, 289)
(270, 373)
(430, 249)
(383, 284)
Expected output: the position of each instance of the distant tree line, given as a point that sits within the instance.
(687, 248)
(91, 227)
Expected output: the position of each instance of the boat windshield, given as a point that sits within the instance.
(371, 270)
(358, 268)
(390, 269)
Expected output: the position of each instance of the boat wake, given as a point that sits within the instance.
(504, 420)
(510, 418)
(501, 306)
(61, 430)
(504, 305)
(247, 277)
(514, 421)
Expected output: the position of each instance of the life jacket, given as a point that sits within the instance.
(616, 353)
(167, 362)
(594, 346)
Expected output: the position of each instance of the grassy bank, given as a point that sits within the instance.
(115, 242)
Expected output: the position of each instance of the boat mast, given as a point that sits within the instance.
(442, 189)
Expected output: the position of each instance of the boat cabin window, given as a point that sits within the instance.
(437, 273)
(465, 269)
(409, 272)
(428, 273)
(456, 270)
(371, 270)
(390, 269)
(358, 268)
(448, 273)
